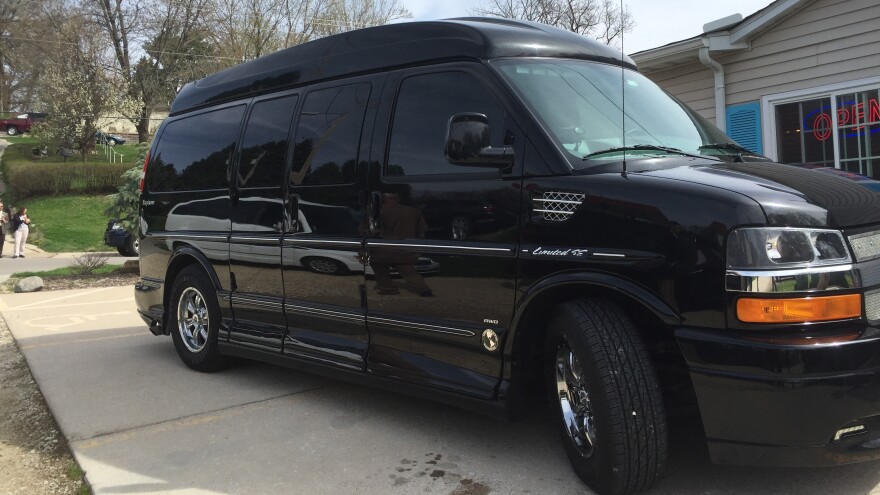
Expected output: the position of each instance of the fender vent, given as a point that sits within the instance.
(557, 206)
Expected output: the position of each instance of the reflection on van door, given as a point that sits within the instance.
(257, 222)
(441, 242)
(322, 252)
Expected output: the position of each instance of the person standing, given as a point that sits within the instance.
(21, 224)
(5, 218)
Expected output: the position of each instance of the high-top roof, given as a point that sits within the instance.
(394, 45)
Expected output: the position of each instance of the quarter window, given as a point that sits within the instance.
(328, 136)
(194, 153)
(424, 106)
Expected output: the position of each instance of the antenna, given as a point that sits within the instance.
(622, 93)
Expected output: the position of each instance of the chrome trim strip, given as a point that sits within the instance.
(258, 240)
(263, 303)
(610, 255)
(202, 237)
(790, 273)
(320, 241)
(421, 326)
(293, 308)
(440, 246)
(818, 279)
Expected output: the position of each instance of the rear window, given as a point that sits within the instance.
(193, 153)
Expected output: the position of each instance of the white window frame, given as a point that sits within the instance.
(832, 91)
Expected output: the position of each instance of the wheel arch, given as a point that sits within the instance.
(523, 346)
(184, 256)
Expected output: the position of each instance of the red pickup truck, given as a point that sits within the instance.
(16, 125)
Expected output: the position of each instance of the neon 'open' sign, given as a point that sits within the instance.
(848, 113)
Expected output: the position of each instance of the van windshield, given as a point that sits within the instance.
(581, 104)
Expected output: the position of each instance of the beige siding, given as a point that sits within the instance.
(693, 84)
(827, 42)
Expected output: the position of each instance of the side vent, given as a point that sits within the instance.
(557, 206)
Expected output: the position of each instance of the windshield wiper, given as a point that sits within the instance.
(643, 147)
(724, 146)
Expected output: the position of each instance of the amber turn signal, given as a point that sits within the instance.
(799, 310)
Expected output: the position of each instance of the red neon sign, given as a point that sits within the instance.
(854, 113)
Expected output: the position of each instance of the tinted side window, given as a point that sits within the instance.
(425, 104)
(194, 152)
(328, 135)
(264, 146)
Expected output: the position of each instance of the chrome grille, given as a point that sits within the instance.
(558, 206)
(872, 305)
(866, 246)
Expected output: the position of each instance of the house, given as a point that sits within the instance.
(797, 81)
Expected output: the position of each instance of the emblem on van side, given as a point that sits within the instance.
(148, 202)
(490, 322)
(560, 252)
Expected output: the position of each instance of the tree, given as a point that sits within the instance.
(75, 86)
(600, 19)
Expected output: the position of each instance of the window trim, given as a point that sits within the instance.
(832, 91)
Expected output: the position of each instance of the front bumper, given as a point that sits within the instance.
(775, 404)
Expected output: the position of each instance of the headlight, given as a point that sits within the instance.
(766, 248)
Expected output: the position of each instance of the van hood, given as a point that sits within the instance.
(790, 195)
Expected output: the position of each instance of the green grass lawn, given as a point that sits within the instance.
(21, 138)
(68, 223)
(24, 153)
(65, 271)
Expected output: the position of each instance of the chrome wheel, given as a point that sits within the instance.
(574, 401)
(192, 320)
(324, 266)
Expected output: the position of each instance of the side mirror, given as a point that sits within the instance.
(467, 143)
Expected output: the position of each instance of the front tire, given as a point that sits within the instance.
(605, 397)
(12, 130)
(194, 320)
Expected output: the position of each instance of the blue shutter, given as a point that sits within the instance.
(744, 125)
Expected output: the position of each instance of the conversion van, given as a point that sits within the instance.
(590, 233)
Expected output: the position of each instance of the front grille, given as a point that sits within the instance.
(872, 306)
(557, 206)
(866, 246)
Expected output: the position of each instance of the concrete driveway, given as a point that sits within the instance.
(139, 421)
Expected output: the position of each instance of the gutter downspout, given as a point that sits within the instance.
(720, 92)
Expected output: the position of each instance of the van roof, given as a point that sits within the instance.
(391, 46)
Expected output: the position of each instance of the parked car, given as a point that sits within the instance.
(16, 125)
(593, 236)
(124, 242)
(108, 139)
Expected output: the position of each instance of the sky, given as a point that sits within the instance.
(658, 22)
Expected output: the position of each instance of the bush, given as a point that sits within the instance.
(40, 179)
(124, 204)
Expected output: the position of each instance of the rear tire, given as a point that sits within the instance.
(194, 320)
(12, 130)
(605, 397)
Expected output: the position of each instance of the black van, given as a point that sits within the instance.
(586, 231)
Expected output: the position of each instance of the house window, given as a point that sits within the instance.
(834, 126)
(802, 134)
(858, 132)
